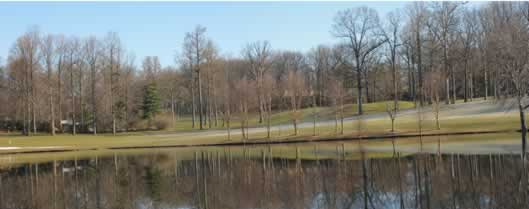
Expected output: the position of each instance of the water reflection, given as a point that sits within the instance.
(254, 178)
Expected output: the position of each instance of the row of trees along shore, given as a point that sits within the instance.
(426, 52)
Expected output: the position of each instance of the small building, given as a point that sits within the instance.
(67, 125)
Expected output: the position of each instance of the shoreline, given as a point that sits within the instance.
(237, 143)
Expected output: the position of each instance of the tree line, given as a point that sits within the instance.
(427, 52)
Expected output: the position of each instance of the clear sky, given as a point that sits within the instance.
(159, 28)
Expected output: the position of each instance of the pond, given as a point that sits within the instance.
(336, 175)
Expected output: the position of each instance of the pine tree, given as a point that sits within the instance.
(151, 102)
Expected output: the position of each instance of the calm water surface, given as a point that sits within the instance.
(330, 175)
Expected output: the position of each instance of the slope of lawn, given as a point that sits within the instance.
(285, 117)
(454, 120)
(506, 143)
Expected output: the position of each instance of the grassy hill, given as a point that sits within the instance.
(284, 117)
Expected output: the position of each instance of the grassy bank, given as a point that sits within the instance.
(284, 117)
(405, 125)
(501, 143)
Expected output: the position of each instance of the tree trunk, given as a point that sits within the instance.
(228, 125)
(523, 129)
(295, 121)
(200, 109)
(359, 83)
(465, 82)
(173, 117)
(447, 99)
(314, 112)
(73, 99)
(269, 116)
(241, 119)
(81, 101)
(395, 90)
(112, 111)
(94, 107)
(411, 83)
(260, 104)
(336, 119)
(215, 108)
(453, 78)
(366, 86)
(341, 114)
(419, 90)
(32, 96)
(208, 102)
(193, 105)
(495, 86)
(52, 109)
(471, 85)
(486, 84)
(59, 93)
(72, 95)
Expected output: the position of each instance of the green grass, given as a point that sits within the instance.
(478, 144)
(406, 124)
(284, 117)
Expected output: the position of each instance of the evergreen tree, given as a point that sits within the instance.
(151, 102)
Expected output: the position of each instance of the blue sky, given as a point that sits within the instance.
(150, 29)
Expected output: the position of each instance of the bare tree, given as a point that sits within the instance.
(48, 50)
(417, 13)
(194, 45)
(26, 51)
(468, 40)
(257, 55)
(73, 63)
(336, 93)
(295, 90)
(61, 62)
(512, 33)
(211, 68)
(113, 56)
(92, 52)
(393, 42)
(360, 28)
(268, 86)
(243, 94)
(227, 87)
(443, 26)
(434, 85)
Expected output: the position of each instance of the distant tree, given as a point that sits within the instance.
(49, 54)
(211, 68)
(151, 102)
(336, 93)
(468, 38)
(151, 68)
(444, 25)
(360, 28)
(25, 59)
(511, 28)
(295, 90)
(92, 52)
(195, 43)
(393, 42)
(434, 84)
(113, 55)
(258, 55)
(243, 97)
(73, 65)
(227, 97)
(268, 88)
(418, 14)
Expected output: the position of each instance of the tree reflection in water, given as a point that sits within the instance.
(214, 179)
